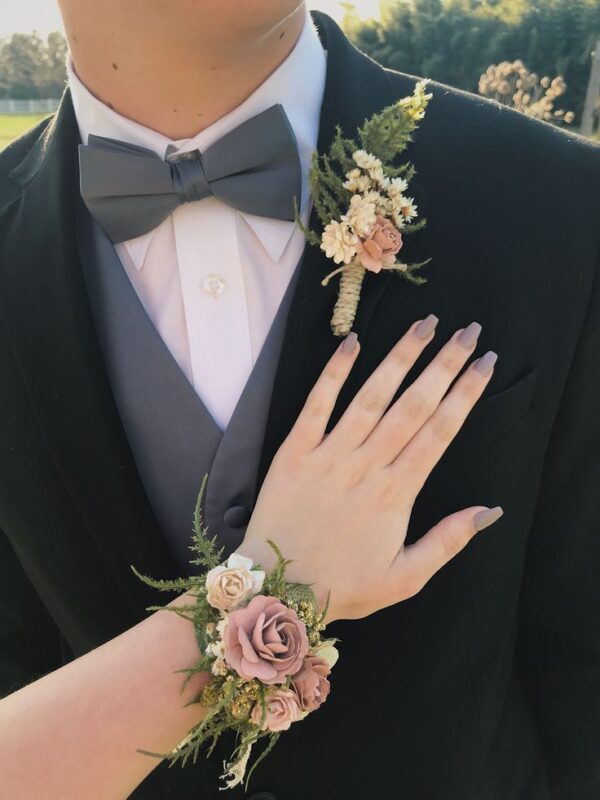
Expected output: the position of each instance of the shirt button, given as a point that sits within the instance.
(214, 285)
(236, 517)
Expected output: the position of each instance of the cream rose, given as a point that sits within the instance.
(230, 585)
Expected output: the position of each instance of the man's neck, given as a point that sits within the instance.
(177, 88)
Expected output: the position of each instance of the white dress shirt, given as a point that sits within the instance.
(211, 278)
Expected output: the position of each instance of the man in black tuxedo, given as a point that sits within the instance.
(485, 685)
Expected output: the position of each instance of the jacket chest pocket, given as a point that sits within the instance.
(494, 416)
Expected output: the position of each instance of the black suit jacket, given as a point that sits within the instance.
(486, 685)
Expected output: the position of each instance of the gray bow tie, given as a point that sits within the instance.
(130, 190)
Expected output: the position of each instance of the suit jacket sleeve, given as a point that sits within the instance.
(558, 645)
(29, 641)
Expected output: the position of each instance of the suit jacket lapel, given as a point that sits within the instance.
(49, 323)
(356, 87)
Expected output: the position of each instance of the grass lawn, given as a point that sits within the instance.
(13, 125)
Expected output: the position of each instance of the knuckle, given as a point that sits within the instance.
(443, 428)
(452, 542)
(414, 406)
(399, 358)
(334, 372)
(315, 405)
(450, 361)
(470, 387)
(371, 400)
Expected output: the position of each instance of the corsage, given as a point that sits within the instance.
(261, 639)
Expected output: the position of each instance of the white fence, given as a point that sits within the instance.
(8, 106)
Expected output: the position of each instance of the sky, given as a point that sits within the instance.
(42, 15)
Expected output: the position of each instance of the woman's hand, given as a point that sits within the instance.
(339, 505)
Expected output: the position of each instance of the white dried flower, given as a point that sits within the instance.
(339, 242)
(357, 181)
(351, 178)
(365, 160)
(360, 215)
(397, 203)
(364, 184)
(383, 205)
(408, 209)
(216, 649)
(376, 175)
(219, 667)
(397, 187)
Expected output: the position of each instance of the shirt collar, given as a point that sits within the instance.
(297, 84)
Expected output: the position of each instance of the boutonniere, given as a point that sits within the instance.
(362, 200)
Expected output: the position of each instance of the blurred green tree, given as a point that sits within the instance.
(454, 41)
(32, 67)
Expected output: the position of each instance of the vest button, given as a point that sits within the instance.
(261, 796)
(236, 517)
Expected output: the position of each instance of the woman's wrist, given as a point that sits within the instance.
(259, 551)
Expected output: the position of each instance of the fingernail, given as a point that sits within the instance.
(485, 364)
(348, 346)
(469, 336)
(486, 518)
(426, 327)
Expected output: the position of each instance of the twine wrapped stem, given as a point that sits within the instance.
(344, 313)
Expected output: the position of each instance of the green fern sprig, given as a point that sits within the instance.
(414, 226)
(205, 548)
(408, 273)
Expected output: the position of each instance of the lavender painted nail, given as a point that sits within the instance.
(486, 518)
(469, 336)
(348, 346)
(485, 364)
(426, 327)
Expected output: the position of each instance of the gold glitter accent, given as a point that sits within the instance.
(240, 707)
(212, 693)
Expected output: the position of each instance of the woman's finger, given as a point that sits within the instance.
(372, 400)
(417, 563)
(416, 461)
(309, 429)
(419, 401)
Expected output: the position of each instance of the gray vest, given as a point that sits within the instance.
(173, 437)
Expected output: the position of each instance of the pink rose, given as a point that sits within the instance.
(281, 709)
(381, 245)
(265, 640)
(311, 684)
